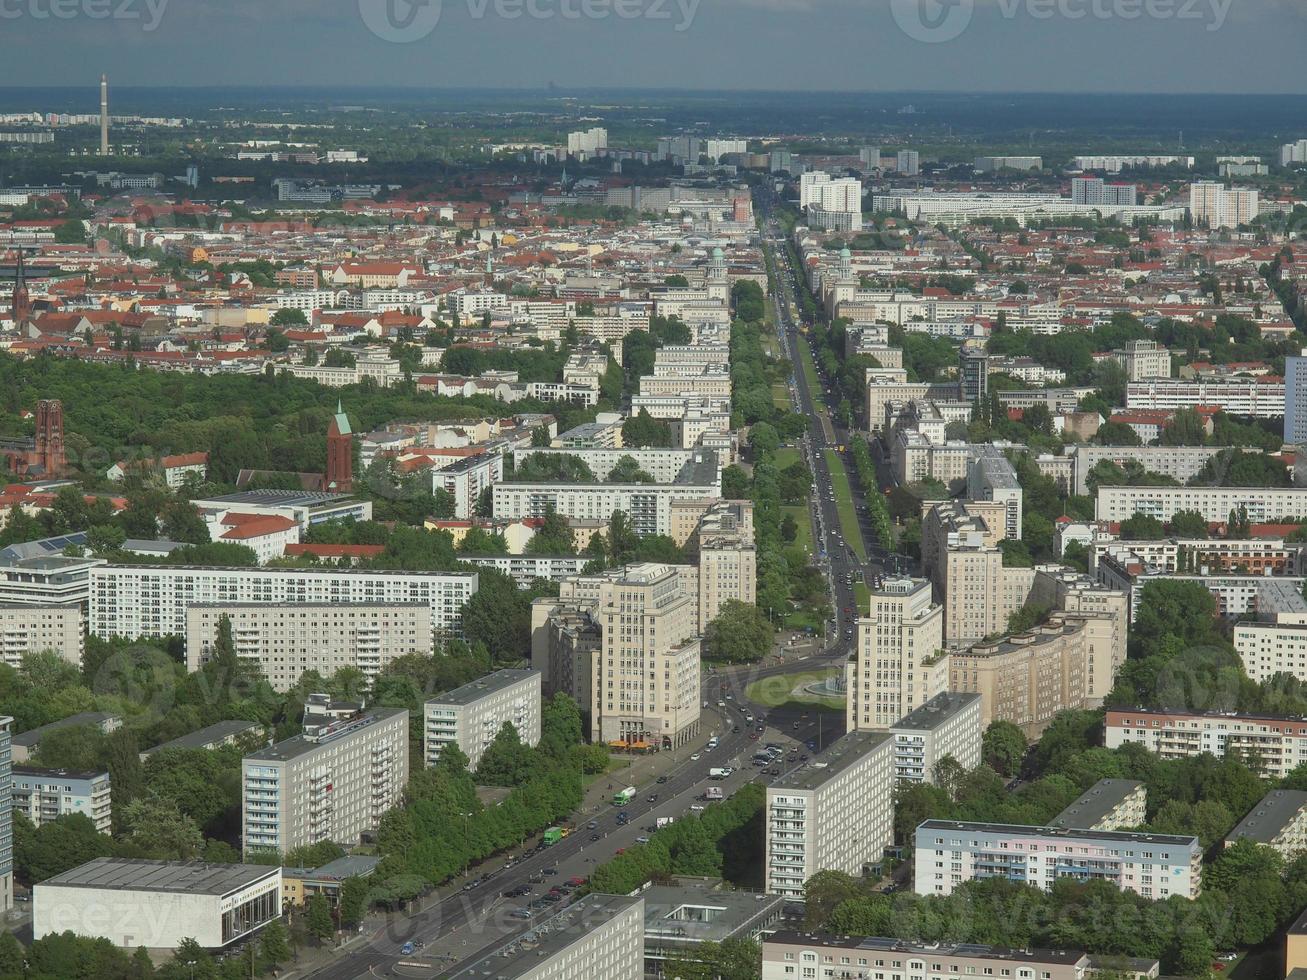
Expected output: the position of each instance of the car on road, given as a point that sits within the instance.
(551, 899)
(407, 949)
(796, 726)
(661, 779)
(576, 881)
(549, 871)
(622, 818)
(593, 838)
(522, 914)
(695, 757)
(653, 797)
(642, 840)
(721, 704)
(537, 879)
(592, 825)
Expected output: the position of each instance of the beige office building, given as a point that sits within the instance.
(646, 680)
(898, 665)
(1106, 614)
(333, 782)
(37, 628)
(1026, 678)
(728, 558)
(800, 956)
(285, 640)
(834, 813)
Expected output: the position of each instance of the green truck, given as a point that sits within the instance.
(553, 835)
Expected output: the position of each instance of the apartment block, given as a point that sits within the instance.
(795, 956)
(286, 639)
(1279, 822)
(1263, 505)
(1181, 463)
(1105, 613)
(992, 478)
(1026, 678)
(465, 479)
(1155, 866)
(600, 936)
(48, 794)
(332, 782)
(1144, 360)
(38, 628)
(472, 715)
(946, 726)
(6, 817)
(1257, 397)
(1279, 744)
(151, 600)
(833, 813)
(646, 675)
(1213, 205)
(1110, 804)
(728, 558)
(899, 663)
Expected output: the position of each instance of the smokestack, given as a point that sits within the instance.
(104, 115)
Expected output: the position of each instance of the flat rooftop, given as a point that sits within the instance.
(204, 737)
(483, 686)
(977, 950)
(1096, 803)
(696, 913)
(184, 877)
(277, 498)
(1059, 833)
(549, 937)
(935, 712)
(831, 762)
(298, 745)
(36, 772)
(1276, 810)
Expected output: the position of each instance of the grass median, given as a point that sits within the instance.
(844, 504)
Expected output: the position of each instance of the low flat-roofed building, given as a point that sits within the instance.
(792, 955)
(680, 916)
(1278, 821)
(25, 744)
(213, 736)
(601, 936)
(1110, 804)
(298, 885)
(156, 904)
(948, 725)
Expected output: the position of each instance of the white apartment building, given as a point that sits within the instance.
(1295, 399)
(465, 479)
(1144, 360)
(946, 726)
(1115, 164)
(43, 795)
(37, 628)
(646, 675)
(908, 162)
(1095, 190)
(525, 569)
(898, 665)
(1182, 463)
(1155, 866)
(1274, 644)
(333, 782)
(601, 936)
(44, 579)
(1279, 743)
(834, 813)
(794, 955)
(587, 141)
(1258, 397)
(286, 639)
(151, 600)
(648, 505)
(1263, 504)
(1292, 154)
(1213, 205)
(472, 715)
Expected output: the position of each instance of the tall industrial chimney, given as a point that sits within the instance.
(104, 115)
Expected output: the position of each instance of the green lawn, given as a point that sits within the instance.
(780, 396)
(844, 504)
(804, 519)
(787, 690)
(862, 594)
(810, 371)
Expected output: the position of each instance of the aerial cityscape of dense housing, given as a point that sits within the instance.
(552, 535)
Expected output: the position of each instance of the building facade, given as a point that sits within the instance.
(472, 715)
(797, 956)
(1155, 866)
(945, 727)
(1277, 744)
(333, 782)
(37, 628)
(898, 665)
(1110, 804)
(152, 600)
(833, 813)
(48, 794)
(286, 639)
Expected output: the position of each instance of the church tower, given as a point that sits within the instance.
(22, 301)
(340, 453)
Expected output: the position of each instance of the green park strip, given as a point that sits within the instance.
(791, 689)
(844, 504)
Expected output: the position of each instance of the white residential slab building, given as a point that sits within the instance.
(472, 715)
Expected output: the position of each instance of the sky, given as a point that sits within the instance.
(1186, 46)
